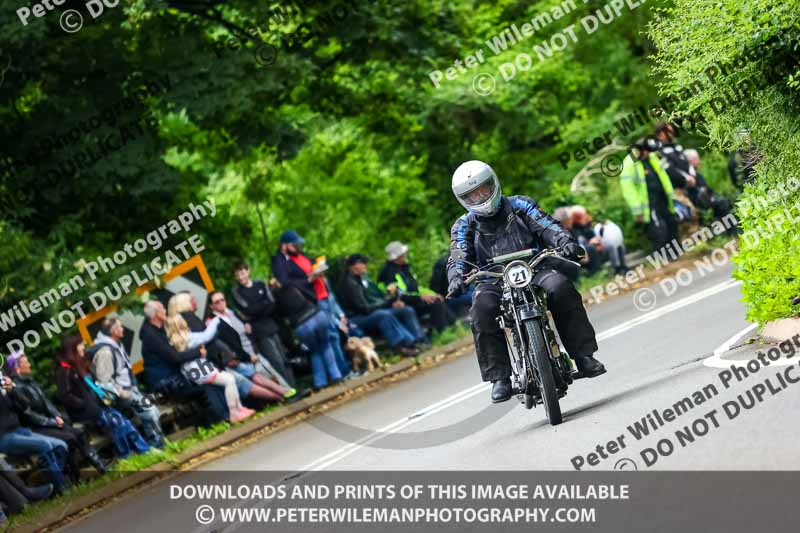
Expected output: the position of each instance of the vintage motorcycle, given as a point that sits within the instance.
(541, 371)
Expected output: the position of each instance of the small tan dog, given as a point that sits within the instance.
(364, 354)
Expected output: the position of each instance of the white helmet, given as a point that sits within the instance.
(477, 188)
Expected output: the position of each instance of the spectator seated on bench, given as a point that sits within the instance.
(112, 369)
(162, 366)
(396, 276)
(15, 494)
(232, 334)
(459, 305)
(42, 417)
(378, 314)
(249, 383)
(16, 440)
(88, 403)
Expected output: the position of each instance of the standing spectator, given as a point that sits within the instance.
(233, 333)
(385, 316)
(396, 274)
(113, 371)
(43, 417)
(311, 327)
(647, 190)
(676, 165)
(15, 494)
(162, 365)
(291, 267)
(18, 440)
(673, 158)
(257, 303)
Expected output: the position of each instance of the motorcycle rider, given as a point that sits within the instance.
(495, 225)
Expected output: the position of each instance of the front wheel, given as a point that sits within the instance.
(544, 367)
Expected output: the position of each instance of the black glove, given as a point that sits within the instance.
(574, 251)
(456, 288)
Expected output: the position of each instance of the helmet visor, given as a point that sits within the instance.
(480, 194)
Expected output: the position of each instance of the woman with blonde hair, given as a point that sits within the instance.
(200, 370)
(248, 380)
(182, 305)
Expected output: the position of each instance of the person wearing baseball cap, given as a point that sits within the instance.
(387, 316)
(396, 277)
(291, 268)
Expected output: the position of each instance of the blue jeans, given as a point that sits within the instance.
(383, 322)
(335, 340)
(460, 306)
(314, 334)
(22, 441)
(408, 318)
(243, 372)
(148, 413)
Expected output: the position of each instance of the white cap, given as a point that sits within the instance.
(395, 249)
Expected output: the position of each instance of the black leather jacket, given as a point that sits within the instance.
(40, 411)
(518, 225)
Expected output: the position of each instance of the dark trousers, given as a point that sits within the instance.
(271, 347)
(178, 387)
(565, 304)
(438, 312)
(77, 444)
(662, 229)
(12, 492)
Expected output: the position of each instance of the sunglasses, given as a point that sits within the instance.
(218, 301)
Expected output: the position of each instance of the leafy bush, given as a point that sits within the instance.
(734, 61)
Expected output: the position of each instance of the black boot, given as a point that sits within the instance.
(96, 462)
(589, 366)
(501, 390)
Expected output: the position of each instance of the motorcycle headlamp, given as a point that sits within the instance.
(518, 274)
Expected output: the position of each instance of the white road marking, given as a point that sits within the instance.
(349, 449)
(716, 360)
(674, 306)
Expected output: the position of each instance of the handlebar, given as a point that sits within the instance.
(533, 263)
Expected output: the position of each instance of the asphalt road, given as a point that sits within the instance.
(442, 418)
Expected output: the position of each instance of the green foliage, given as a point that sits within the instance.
(752, 103)
(344, 138)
